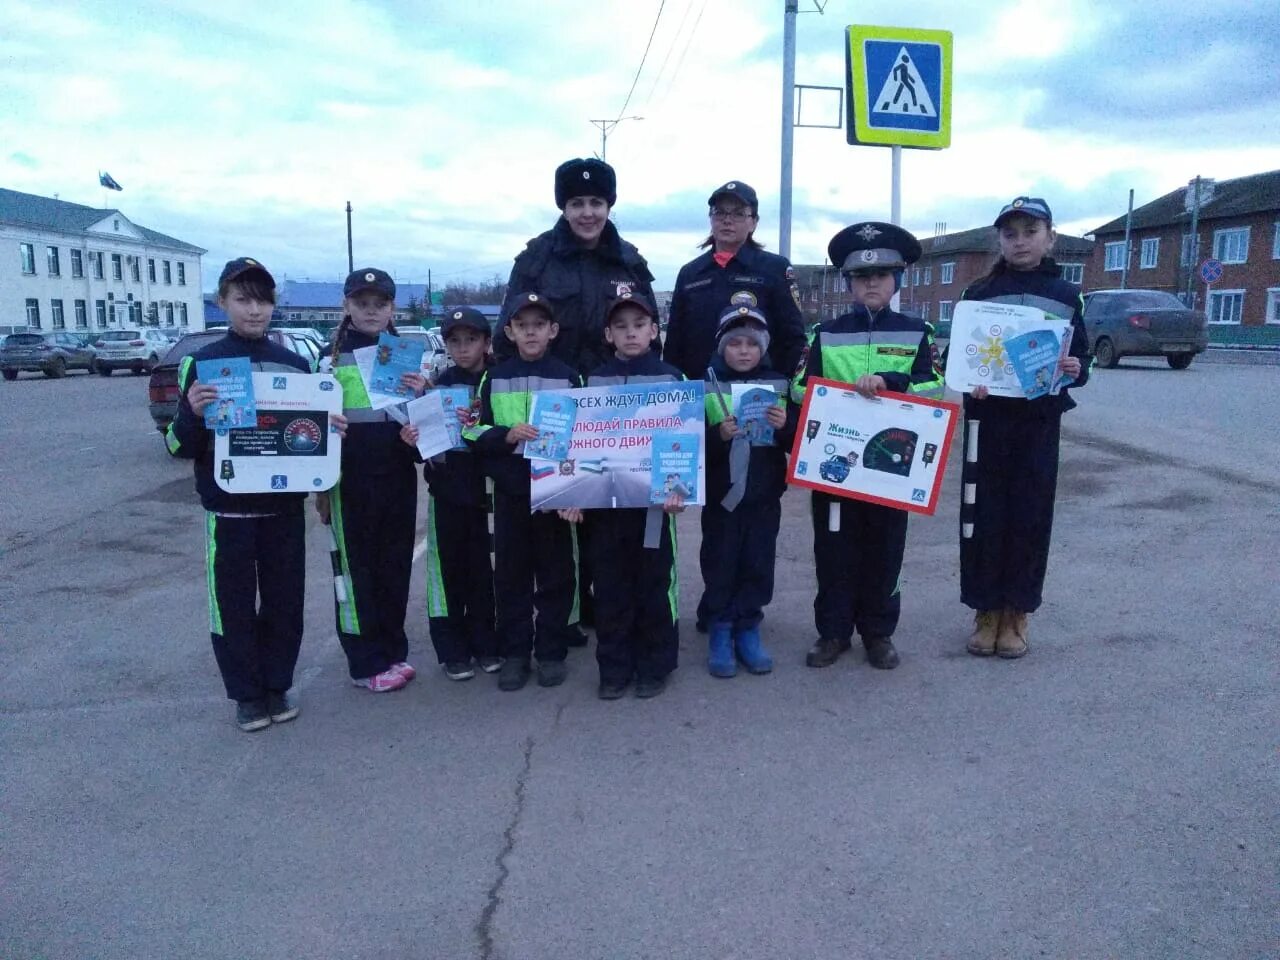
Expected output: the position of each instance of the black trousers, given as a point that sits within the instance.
(739, 548)
(373, 519)
(459, 582)
(1006, 513)
(858, 568)
(257, 574)
(635, 596)
(535, 566)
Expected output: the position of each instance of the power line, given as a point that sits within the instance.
(679, 63)
(636, 79)
(675, 40)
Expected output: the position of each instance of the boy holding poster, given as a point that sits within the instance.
(746, 477)
(872, 348)
(529, 547)
(635, 584)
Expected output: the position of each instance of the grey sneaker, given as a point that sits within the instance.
(281, 707)
(252, 715)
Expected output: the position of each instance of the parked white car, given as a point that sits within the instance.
(136, 350)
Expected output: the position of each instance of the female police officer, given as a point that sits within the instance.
(735, 270)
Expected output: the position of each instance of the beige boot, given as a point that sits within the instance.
(1011, 641)
(986, 627)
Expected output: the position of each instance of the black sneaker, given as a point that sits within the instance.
(459, 670)
(880, 652)
(490, 664)
(612, 691)
(574, 637)
(551, 673)
(647, 687)
(513, 674)
(826, 652)
(252, 715)
(281, 707)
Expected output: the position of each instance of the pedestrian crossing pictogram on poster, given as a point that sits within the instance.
(899, 82)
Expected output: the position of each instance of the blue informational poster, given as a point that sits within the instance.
(1034, 356)
(453, 399)
(395, 357)
(674, 466)
(553, 416)
(750, 404)
(235, 406)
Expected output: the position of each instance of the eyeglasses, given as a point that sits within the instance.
(732, 216)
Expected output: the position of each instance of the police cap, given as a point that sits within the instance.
(739, 191)
(635, 299)
(1027, 206)
(369, 278)
(532, 300)
(237, 268)
(872, 245)
(460, 317)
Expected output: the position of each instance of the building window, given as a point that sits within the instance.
(77, 264)
(1150, 253)
(1275, 242)
(1073, 273)
(135, 269)
(928, 275)
(151, 269)
(100, 311)
(33, 313)
(948, 272)
(1225, 306)
(59, 317)
(1113, 256)
(168, 314)
(55, 268)
(944, 310)
(1273, 305)
(915, 280)
(1231, 246)
(924, 311)
(182, 314)
(82, 315)
(28, 253)
(117, 267)
(1190, 250)
(168, 274)
(95, 258)
(182, 274)
(153, 314)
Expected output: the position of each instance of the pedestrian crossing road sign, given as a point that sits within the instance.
(899, 86)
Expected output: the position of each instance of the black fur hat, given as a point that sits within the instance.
(585, 178)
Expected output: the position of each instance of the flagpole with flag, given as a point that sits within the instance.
(107, 182)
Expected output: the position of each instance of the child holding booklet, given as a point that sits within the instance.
(459, 572)
(1011, 445)
(373, 509)
(746, 477)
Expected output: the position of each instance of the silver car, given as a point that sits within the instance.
(138, 350)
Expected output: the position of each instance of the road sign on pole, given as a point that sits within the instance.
(1211, 271)
(899, 84)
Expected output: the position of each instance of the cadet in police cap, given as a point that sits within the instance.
(873, 348)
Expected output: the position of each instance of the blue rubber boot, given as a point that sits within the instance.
(720, 662)
(750, 652)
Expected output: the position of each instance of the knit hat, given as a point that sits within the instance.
(746, 321)
(585, 178)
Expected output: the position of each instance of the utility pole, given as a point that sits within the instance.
(351, 265)
(791, 8)
(606, 128)
(1128, 249)
(1194, 242)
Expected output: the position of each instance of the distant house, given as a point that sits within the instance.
(1238, 224)
(72, 267)
(307, 303)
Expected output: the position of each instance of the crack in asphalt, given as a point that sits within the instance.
(484, 926)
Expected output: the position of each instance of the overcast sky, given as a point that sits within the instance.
(244, 127)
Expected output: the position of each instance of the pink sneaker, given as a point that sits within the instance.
(404, 669)
(383, 682)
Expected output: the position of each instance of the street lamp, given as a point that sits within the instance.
(606, 128)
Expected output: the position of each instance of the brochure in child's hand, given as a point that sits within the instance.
(235, 406)
(674, 466)
(553, 416)
(751, 402)
(1035, 356)
(453, 399)
(395, 356)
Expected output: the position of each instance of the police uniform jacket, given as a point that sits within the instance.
(1045, 289)
(897, 347)
(578, 282)
(455, 475)
(704, 290)
(506, 399)
(188, 438)
(372, 444)
(767, 470)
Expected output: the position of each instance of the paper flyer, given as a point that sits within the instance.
(428, 415)
(553, 416)
(1034, 357)
(393, 357)
(751, 401)
(235, 406)
(453, 399)
(674, 465)
(1063, 352)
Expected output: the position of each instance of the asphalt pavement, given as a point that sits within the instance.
(1112, 795)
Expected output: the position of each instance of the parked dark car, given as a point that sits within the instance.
(52, 354)
(1143, 323)
(162, 391)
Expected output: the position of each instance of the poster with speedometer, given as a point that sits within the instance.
(890, 449)
(294, 448)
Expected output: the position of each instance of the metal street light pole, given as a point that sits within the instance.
(606, 128)
(788, 124)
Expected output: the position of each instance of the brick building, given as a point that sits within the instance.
(1238, 224)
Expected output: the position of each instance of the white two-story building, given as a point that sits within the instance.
(65, 266)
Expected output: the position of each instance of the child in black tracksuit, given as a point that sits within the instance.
(745, 483)
(635, 585)
(529, 548)
(373, 509)
(458, 569)
(255, 541)
(1010, 470)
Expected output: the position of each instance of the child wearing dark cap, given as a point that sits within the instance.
(1011, 445)
(256, 558)
(458, 570)
(872, 348)
(529, 548)
(745, 483)
(635, 584)
(373, 509)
